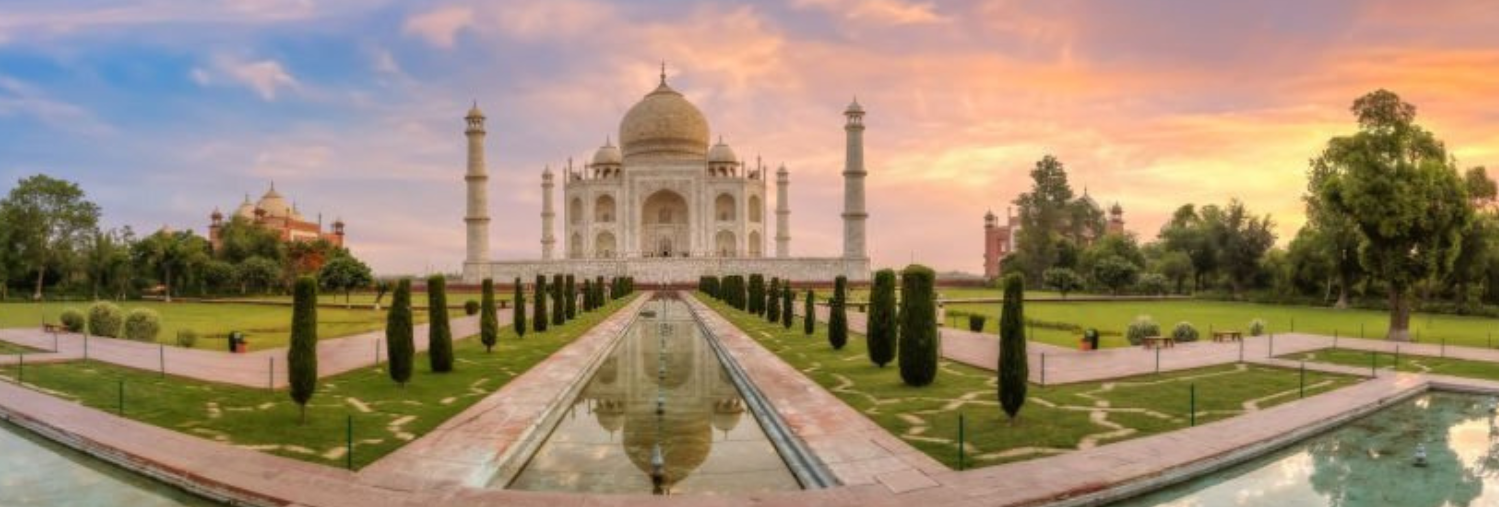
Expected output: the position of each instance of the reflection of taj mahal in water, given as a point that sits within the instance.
(659, 407)
(666, 207)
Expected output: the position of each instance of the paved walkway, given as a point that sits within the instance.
(854, 448)
(253, 369)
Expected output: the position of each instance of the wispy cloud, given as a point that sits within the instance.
(20, 98)
(263, 76)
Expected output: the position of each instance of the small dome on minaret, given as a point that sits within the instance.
(854, 107)
(474, 112)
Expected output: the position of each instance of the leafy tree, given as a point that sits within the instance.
(240, 239)
(171, 255)
(519, 312)
(258, 274)
(1154, 284)
(1063, 280)
(1396, 182)
(1043, 211)
(107, 261)
(786, 301)
(1176, 267)
(570, 297)
(307, 257)
(44, 219)
(344, 274)
(1334, 236)
(400, 337)
(220, 276)
(301, 356)
(809, 314)
(1115, 273)
(1241, 241)
(919, 342)
(540, 318)
(1188, 234)
(439, 334)
(881, 325)
(1014, 370)
(838, 314)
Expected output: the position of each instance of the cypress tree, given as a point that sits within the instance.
(837, 317)
(439, 335)
(519, 313)
(587, 295)
(773, 301)
(400, 346)
(786, 301)
(809, 314)
(918, 326)
(881, 324)
(756, 294)
(489, 323)
(598, 286)
(301, 356)
(539, 318)
(559, 312)
(1013, 369)
(570, 295)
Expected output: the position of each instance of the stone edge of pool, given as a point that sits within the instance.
(1089, 477)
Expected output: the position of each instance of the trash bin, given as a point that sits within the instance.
(236, 341)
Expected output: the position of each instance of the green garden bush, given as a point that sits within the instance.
(400, 337)
(881, 326)
(756, 302)
(1141, 327)
(519, 312)
(773, 301)
(439, 333)
(809, 314)
(1256, 327)
(838, 314)
(489, 324)
(540, 317)
(570, 297)
(301, 355)
(186, 338)
(786, 301)
(976, 323)
(105, 319)
(1014, 365)
(1184, 332)
(142, 325)
(558, 302)
(73, 320)
(471, 308)
(1153, 284)
(919, 342)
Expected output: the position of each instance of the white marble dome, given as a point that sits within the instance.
(608, 154)
(664, 125)
(722, 154)
(274, 204)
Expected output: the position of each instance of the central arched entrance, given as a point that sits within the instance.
(663, 225)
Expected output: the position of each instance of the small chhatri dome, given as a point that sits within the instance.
(608, 154)
(721, 153)
(246, 209)
(664, 125)
(273, 204)
(854, 107)
(1116, 209)
(474, 112)
(217, 215)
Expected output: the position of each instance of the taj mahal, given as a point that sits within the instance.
(666, 207)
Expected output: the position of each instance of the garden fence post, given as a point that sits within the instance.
(1241, 350)
(1192, 404)
(1158, 359)
(1397, 357)
(122, 398)
(960, 441)
(1335, 339)
(377, 352)
(85, 347)
(270, 375)
(349, 444)
(20, 368)
(161, 352)
(1271, 351)
(1373, 363)
(1303, 379)
(1043, 369)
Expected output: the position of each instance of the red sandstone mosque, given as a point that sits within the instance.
(999, 240)
(273, 212)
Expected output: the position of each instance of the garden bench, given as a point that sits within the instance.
(1158, 342)
(1227, 336)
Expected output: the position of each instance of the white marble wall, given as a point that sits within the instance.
(675, 270)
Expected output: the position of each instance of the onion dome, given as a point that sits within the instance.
(721, 153)
(274, 204)
(246, 209)
(474, 112)
(854, 107)
(608, 154)
(664, 125)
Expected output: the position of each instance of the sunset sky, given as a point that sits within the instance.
(165, 109)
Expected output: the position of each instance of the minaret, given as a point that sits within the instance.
(477, 178)
(783, 213)
(853, 184)
(547, 240)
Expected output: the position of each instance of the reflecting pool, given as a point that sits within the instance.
(660, 415)
(1367, 463)
(35, 471)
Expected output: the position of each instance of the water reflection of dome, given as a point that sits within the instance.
(685, 436)
(726, 414)
(610, 414)
(609, 370)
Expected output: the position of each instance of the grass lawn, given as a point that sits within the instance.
(1055, 419)
(367, 299)
(1405, 362)
(8, 348)
(1110, 318)
(265, 326)
(385, 416)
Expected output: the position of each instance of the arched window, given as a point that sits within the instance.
(575, 211)
(603, 209)
(724, 246)
(575, 246)
(754, 244)
(754, 209)
(723, 208)
(604, 245)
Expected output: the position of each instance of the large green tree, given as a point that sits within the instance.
(344, 274)
(171, 256)
(1044, 210)
(1188, 234)
(45, 220)
(1396, 183)
(1241, 240)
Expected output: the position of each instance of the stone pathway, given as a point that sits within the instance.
(252, 369)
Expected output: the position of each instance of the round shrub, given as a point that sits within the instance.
(976, 323)
(1142, 326)
(470, 307)
(186, 338)
(105, 319)
(1256, 327)
(72, 320)
(1184, 332)
(142, 325)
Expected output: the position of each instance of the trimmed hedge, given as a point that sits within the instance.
(570, 297)
(809, 314)
(519, 322)
(470, 308)
(439, 333)
(838, 314)
(301, 356)
(786, 301)
(919, 342)
(539, 318)
(186, 338)
(1014, 368)
(881, 325)
(400, 337)
(73, 320)
(1184, 332)
(773, 301)
(142, 325)
(1141, 327)
(489, 324)
(105, 319)
(1256, 327)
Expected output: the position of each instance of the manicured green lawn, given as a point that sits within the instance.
(385, 415)
(1405, 362)
(8, 348)
(367, 299)
(265, 326)
(1055, 419)
(1111, 318)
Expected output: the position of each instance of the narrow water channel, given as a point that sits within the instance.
(662, 416)
(35, 471)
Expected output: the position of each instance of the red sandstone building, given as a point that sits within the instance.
(1000, 240)
(272, 212)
